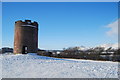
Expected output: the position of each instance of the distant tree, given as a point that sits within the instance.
(0, 51)
(109, 49)
(117, 52)
(98, 50)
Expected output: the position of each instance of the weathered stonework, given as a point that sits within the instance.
(26, 37)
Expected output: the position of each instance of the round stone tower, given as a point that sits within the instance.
(26, 37)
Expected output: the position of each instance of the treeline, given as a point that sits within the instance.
(97, 53)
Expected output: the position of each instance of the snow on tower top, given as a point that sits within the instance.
(27, 23)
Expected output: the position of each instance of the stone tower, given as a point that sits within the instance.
(26, 37)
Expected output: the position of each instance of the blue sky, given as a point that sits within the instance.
(62, 24)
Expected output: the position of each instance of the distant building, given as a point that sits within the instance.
(6, 50)
(26, 37)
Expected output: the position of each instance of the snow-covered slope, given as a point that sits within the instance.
(106, 46)
(34, 66)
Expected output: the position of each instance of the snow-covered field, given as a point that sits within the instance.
(34, 66)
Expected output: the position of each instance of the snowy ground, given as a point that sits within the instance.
(34, 66)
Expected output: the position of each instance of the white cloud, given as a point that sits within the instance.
(113, 32)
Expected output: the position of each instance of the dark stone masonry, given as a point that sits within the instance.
(26, 37)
